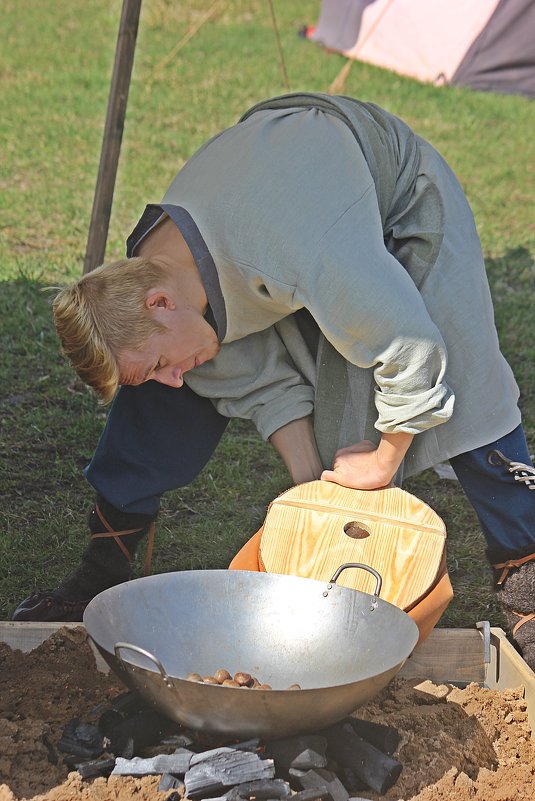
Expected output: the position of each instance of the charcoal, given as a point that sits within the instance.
(170, 782)
(213, 771)
(178, 740)
(247, 745)
(177, 764)
(383, 737)
(124, 706)
(321, 778)
(313, 794)
(295, 773)
(212, 753)
(127, 749)
(82, 739)
(146, 727)
(109, 720)
(51, 753)
(96, 767)
(358, 798)
(261, 790)
(350, 780)
(301, 753)
(377, 770)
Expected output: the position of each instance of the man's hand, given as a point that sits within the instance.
(367, 467)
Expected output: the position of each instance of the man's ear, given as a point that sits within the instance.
(158, 299)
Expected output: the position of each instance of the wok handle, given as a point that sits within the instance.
(371, 570)
(119, 646)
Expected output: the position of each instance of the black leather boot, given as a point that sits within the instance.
(105, 562)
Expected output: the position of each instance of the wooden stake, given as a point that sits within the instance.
(113, 134)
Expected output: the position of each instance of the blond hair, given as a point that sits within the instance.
(103, 313)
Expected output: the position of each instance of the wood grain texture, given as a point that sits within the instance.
(304, 536)
(449, 655)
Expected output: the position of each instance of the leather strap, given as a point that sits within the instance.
(116, 535)
(523, 619)
(510, 563)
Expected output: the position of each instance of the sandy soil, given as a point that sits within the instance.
(455, 744)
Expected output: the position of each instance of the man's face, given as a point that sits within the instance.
(187, 342)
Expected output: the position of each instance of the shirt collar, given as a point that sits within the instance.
(216, 314)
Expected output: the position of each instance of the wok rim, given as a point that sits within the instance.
(280, 578)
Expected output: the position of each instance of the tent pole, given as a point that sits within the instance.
(113, 134)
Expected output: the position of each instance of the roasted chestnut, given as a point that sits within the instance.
(222, 675)
(243, 679)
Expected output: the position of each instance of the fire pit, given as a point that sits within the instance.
(455, 743)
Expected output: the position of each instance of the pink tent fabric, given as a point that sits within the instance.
(436, 35)
(487, 44)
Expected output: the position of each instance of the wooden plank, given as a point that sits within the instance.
(448, 655)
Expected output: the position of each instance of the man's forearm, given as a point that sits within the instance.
(296, 446)
(392, 449)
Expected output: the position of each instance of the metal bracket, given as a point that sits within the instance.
(484, 628)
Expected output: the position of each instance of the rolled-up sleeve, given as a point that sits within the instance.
(254, 378)
(367, 306)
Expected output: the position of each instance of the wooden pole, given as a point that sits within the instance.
(113, 134)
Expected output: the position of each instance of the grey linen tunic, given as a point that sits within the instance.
(322, 209)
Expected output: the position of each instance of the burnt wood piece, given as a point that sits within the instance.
(170, 782)
(299, 753)
(261, 789)
(51, 752)
(177, 764)
(96, 767)
(247, 745)
(220, 768)
(349, 779)
(313, 794)
(81, 739)
(145, 727)
(178, 740)
(377, 770)
(324, 779)
(124, 706)
(383, 737)
(294, 777)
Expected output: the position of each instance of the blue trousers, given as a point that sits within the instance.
(505, 507)
(158, 438)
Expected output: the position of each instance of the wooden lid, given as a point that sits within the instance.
(313, 528)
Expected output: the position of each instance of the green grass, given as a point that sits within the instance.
(55, 66)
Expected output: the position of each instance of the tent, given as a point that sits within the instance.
(484, 44)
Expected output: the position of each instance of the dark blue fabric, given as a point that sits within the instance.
(156, 438)
(505, 507)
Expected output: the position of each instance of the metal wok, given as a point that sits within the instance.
(340, 645)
